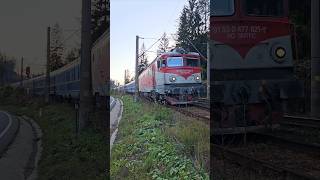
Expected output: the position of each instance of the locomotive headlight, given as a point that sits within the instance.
(172, 79)
(280, 52)
(197, 78)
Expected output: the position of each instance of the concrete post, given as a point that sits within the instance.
(315, 58)
(85, 66)
(208, 70)
(137, 73)
(47, 89)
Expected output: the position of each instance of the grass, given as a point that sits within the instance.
(64, 155)
(146, 149)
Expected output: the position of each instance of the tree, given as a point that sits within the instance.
(164, 43)
(72, 55)
(100, 18)
(143, 59)
(193, 28)
(7, 70)
(127, 78)
(56, 48)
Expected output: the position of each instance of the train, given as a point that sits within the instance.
(129, 88)
(173, 77)
(251, 69)
(65, 81)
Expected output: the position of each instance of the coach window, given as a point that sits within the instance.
(265, 8)
(221, 7)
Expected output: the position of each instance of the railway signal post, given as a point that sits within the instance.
(85, 66)
(315, 58)
(137, 74)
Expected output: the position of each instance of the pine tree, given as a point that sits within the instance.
(126, 76)
(72, 55)
(7, 69)
(143, 59)
(100, 17)
(57, 48)
(164, 43)
(183, 29)
(193, 28)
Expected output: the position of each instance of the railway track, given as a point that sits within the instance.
(202, 103)
(299, 121)
(197, 112)
(274, 157)
(193, 111)
(265, 166)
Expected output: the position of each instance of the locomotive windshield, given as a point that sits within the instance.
(174, 61)
(180, 61)
(265, 8)
(221, 7)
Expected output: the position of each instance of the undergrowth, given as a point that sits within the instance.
(64, 155)
(144, 150)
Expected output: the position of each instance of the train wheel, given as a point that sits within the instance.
(154, 96)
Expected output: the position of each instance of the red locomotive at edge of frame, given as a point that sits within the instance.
(173, 77)
(252, 48)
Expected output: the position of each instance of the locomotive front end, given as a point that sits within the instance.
(181, 77)
(252, 62)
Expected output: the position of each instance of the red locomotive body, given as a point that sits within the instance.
(174, 77)
(252, 61)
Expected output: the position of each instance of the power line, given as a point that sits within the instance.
(150, 47)
(70, 36)
(147, 38)
(196, 48)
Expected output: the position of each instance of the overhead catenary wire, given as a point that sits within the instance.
(149, 47)
(196, 48)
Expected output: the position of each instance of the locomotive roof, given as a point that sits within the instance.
(174, 53)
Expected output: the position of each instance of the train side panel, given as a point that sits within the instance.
(147, 80)
(100, 65)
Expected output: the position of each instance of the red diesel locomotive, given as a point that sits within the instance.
(173, 77)
(251, 63)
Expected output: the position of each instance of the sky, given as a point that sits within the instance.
(24, 27)
(145, 18)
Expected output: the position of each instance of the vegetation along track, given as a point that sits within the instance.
(192, 110)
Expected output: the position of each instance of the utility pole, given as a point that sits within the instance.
(47, 89)
(85, 66)
(21, 72)
(208, 70)
(136, 75)
(315, 58)
(125, 75)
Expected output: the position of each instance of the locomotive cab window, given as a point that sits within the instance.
(163, 63)
(222, 7)
(192, 62)
(265, 8)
